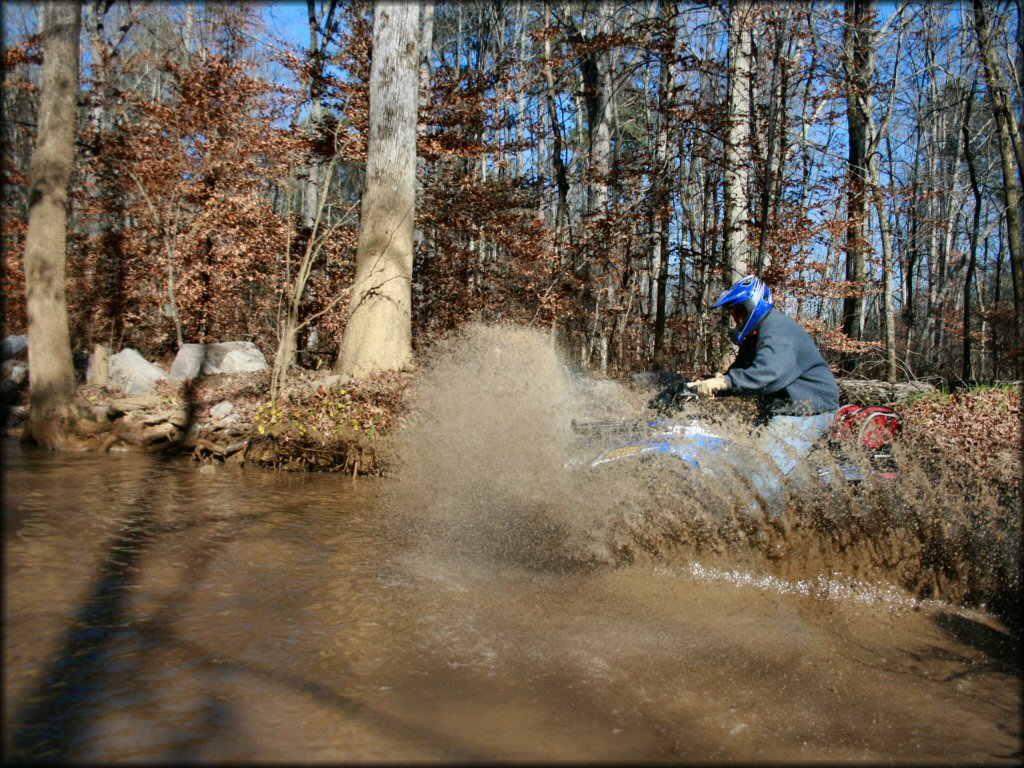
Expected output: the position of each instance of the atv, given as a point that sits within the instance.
(674, 430)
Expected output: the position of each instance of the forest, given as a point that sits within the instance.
(602, 169)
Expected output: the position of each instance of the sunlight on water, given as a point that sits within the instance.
(821, 587)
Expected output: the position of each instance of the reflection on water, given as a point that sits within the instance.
(154, 610)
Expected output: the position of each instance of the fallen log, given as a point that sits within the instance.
(877, 392)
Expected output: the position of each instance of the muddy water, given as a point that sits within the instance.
(159, 611)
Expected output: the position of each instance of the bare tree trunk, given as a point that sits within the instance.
(888, 275)
(52, 387)
(426, 46)
(321, 23)
(910, 264)
(859, 56)
(885, 231)
(972, 254)
(596, 78)
(378, 334)
(661, 193)
(737, 144)
(777, 110)
(289, 325)
(557, 161)
(1011, 188)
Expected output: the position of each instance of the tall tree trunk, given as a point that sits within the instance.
(972, 254)
(777, 109)
(737, 143)
(736, 174)
(888, 276)
(378, 333)
(596, 77)
(51, 373)
(859, 56)
(661, 177)
(110, 272)
(557, 161)
(1005, 121)
(321, 23)
(884, 228)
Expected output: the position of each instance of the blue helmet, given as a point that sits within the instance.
(754, 296)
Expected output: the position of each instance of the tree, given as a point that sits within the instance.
(51, 372)
(661, 177)
(571, 170)
(195, 167)
(322, 25)
(737, 143)
(1009, 155)
(859, 59)
(378, 332)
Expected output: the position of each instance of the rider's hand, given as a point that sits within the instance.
(708, 387)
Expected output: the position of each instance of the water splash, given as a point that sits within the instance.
(485, 471)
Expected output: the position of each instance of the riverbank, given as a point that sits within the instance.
(328, 424)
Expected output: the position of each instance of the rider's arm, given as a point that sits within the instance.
(773, 368)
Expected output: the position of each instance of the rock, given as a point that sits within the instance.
(15, 371)
(133, 374)
(221, 410)
(223, 357)
(15, 346)
(188, 362)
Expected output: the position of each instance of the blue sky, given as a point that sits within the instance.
(289, 19)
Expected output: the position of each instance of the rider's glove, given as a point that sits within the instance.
(708, 387)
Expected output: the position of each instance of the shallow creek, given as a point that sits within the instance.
(157, 610)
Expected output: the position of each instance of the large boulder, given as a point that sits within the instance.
(15, 346)
(133, 374)
(223, 357)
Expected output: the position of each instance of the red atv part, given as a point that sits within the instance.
(872, 426)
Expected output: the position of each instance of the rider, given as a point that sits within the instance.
(779, 363)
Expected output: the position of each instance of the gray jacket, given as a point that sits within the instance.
(780, 364)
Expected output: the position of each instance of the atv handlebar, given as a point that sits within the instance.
(673, 397)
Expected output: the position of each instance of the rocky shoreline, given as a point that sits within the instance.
(214, 406)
